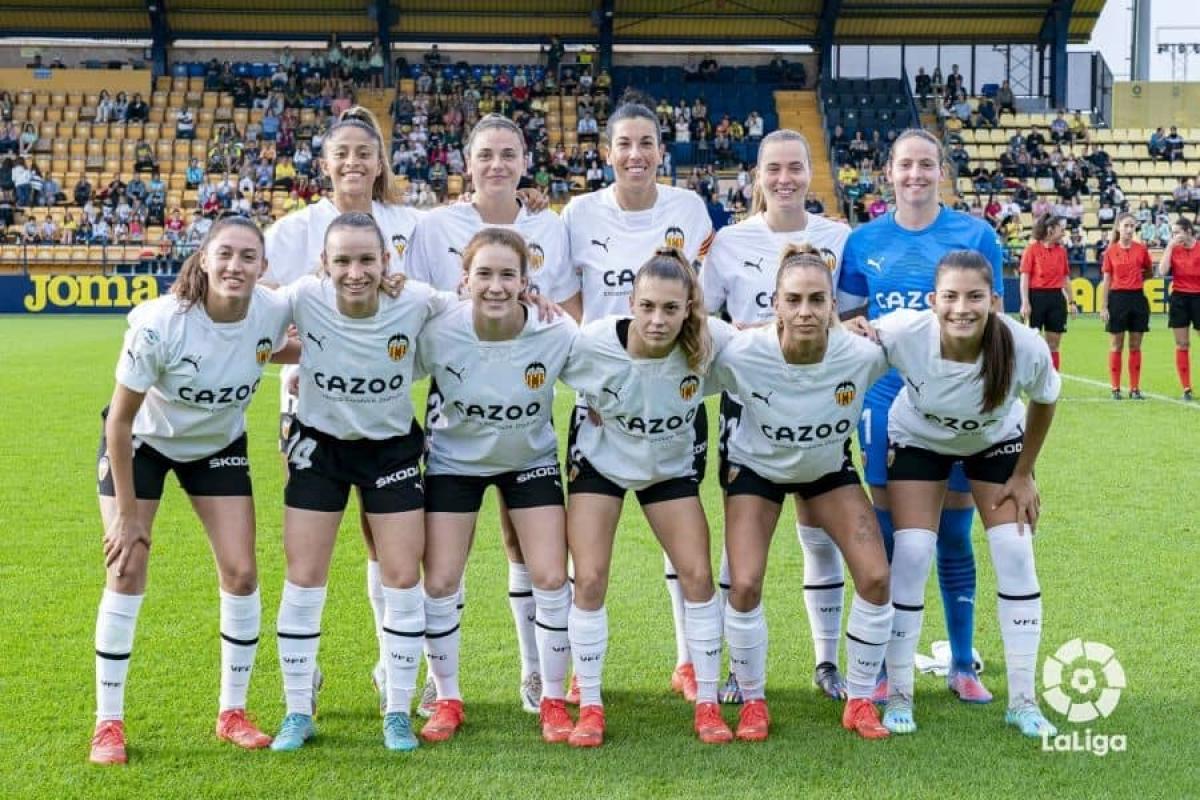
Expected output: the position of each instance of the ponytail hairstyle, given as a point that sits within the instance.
(758, 199)
(353, 220)
(668, 263)
(501, 237)
(997, 349)
(802, 256)
(385, 189)
(1114, 235)
(633, 105)
(1041, 228)
(191, 287)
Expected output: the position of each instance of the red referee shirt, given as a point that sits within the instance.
(1046, 266)
(1185, 269)
(1127, 267)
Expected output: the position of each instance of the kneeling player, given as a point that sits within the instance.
(802, 387)
(496, 365)
(965, 366)
(190, 365)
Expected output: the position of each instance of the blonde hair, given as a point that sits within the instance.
(802, 256)
(758, 198)
(502, 237)
(668, 263)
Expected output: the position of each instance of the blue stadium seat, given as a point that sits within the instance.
(639, 76)
(744, 76)
(682, 152)
(726, 75)
(655, 75)
(674, 75)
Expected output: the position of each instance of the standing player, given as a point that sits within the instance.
(965, 365)
(495, 365)
(889, 264)
(739, 277)
(354, 159)
(189, 367)
(495, 152)
(1181, 262)
(1045, 283)
(643, 380)
(354, 428)
(612, 232)
(803, 384)
(1126, 310)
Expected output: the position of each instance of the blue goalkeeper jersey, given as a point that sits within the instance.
(887, 267)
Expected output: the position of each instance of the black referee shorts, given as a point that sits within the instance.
(1128, 311)
(1048, 310)
(1183, 310)
(387, 472)
(993, 465)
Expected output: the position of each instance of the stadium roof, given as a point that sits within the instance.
(716, 22)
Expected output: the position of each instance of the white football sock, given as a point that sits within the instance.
(588, 633)
(442, 636)
(115, 624)
(1018, 606)
(553, 644)
(703, 623)
(682, 656)
(867, 635)
(404, 634)
(375, 595)
(746, 633)
(524, 612)
(241, 619)
(824, 591)
(723, 577)
(298, 630)
(911, 559)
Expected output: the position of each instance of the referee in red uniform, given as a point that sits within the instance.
(1126, 309)
(1045, 289)
(1181, 262)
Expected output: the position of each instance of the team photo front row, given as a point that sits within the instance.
(795, 383)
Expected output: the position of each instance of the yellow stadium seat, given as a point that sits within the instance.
(77, 147)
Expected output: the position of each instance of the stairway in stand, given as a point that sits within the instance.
(380, 103)
(801, 111)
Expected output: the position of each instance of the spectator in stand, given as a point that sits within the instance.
(27, 140)
(104, 108)
(120, 108)
(1078, 128)
(136, 187)
(51, 192)
(185, 125)
(587, 126)
(6, 107)
(82, 191)
(143, 157)
(754, 126)
(1005, 99)
(923, 86)
(29, 231)
(954, 82)
(195, 174)
(21, 177)
(137, 111)
(961, 160)
(1106, 213)
(1173, 145)
(1157, 144)
(70, 227)
(878, 207)
(48, 231)
(1059, 129)
(961, 110)
(986, 113)
(9, 138)
(7, 211)
(709, 68)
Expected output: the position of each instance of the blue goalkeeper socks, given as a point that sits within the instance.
(956, 577)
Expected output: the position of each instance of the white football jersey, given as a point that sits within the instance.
(497, 397)
(295, 242)
(609, 245)
(739, 271)
(796, 418)
(442, 236)
(939, 407)
(646, 405)
(356, 375)
(198, 375)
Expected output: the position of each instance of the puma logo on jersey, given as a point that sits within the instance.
(129, 353)
(756, 265)
(194, 360)
(916, 387)
(318, 341)
(876, 264)
(603, 245)
(766, 399)
(458, 373)
(454, 251)
(616, 393)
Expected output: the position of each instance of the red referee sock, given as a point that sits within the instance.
(1135, 369)
(1114, 370)
(1056, 360)
(1184, 367)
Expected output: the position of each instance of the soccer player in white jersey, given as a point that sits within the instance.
(643, 380)
(353, 156)
(739, 278)
(495, 364)
(495, 152)
(354, 428)
(802, 384)
(613, 231)
(188, 369)
(965, 366)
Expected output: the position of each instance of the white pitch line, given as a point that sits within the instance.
(1149, 395)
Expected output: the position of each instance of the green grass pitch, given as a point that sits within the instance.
(1117, 557)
